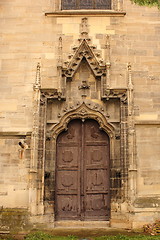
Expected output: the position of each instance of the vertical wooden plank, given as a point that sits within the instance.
(96, 172)
(67, 173)
(82, 175)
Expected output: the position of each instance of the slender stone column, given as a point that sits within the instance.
(131, 138)
(34, 145)
(36, 104)
(107, 59)
(41, 156)
(59, 65)
(124, 151)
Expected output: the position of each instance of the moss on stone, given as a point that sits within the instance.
(147, 202)
(14, 219)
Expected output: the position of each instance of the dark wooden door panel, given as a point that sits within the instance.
(68, 182)
(68, 156)
(94, 134)
(96, 156)
(96, 171)
(82, 172)
(96, 181)
(67, 207)
(97, 207)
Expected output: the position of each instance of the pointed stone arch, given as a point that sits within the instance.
(83, 112)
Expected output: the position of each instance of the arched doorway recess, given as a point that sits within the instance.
(82, 172)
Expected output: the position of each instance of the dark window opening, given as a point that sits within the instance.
(85, 4)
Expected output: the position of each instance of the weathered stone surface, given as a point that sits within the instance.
(14, 220)
(126, 49)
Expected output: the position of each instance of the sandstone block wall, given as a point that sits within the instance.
(28, 37)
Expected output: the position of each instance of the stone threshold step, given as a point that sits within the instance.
(82, 224)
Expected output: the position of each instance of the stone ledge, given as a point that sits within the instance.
(81, 224)
(15, 134)
(147, 122)
(147, 202)
(86, 13)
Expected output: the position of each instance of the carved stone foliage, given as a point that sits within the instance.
(84, 85)
(67, 107)
(115, 93)
(83, 112)
(84, 51)
(51, 94)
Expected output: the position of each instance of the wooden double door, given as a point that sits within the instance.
(82, 173)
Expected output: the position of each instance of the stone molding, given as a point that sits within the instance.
(15, 134)
(120, 93)
(51, 94)
(147, 122)
(87, 13)
(82, 112)
(84, 51)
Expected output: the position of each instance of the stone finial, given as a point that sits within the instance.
(130, 84)
(59, 67)
(38, 78)
(107, 41)
(84, 28)
(107, 49)
(60, 52)
(130, 91)
(129, 66)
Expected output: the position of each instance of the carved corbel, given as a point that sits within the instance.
(117, 134)
(124, 98)
(51, 95)
(107, 93)
(115, 93)
(48, 136)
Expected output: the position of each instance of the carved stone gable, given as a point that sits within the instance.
(84, 51)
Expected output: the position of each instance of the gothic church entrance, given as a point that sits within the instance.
(82, 172)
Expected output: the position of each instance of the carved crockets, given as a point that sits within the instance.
(83, 51)
(36, 108)
(90, 96)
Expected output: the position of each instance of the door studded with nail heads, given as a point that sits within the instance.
(82, 173)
